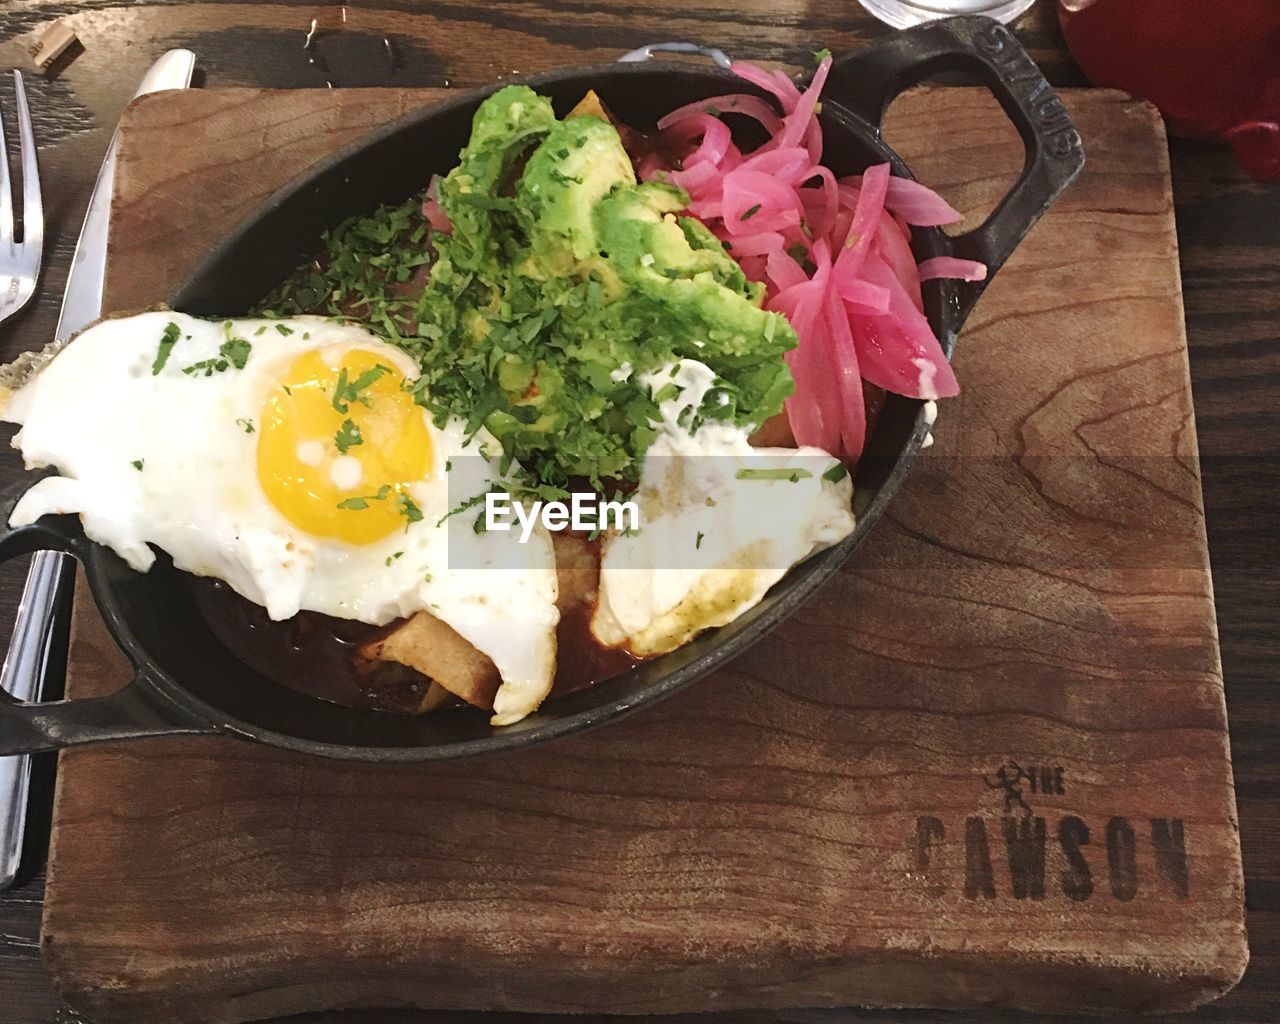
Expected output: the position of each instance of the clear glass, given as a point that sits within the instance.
(905, 13)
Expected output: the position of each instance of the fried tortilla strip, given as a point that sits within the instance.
(592, 106)
(432, 647)
(775, 432)
(389, 686)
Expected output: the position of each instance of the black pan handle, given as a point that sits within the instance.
(866, 82)
(138, 711)
(141, 709)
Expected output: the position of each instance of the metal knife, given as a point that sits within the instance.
(48, 587)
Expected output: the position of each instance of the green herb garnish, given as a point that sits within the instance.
(409, 509)
(237, 350)
(347, 391)
(361, 502)
(348, 436)
(232, 352)
(793, 475)
(518, 334)
(167, 340)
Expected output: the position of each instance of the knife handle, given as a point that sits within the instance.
(47, 591)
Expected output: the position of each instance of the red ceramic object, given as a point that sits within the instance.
(1213, 69)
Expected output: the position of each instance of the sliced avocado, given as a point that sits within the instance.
(579, 162)
(503, 129)
(639, 230)
(706, 307)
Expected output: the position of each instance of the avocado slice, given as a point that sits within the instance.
(580, 161)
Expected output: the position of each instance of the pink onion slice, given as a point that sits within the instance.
(433, 211)
(833, 254)
(762, 244)
(952, 266)
(916, 203)
(764, 80)
(737, 103)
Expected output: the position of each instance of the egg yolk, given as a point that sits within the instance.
(339, 445)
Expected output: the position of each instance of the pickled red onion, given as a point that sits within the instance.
(950, 266)
(433, 211)
(833, 254)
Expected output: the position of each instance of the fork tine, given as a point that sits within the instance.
(6, 196)
(32, 209)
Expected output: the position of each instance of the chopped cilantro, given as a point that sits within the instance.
(751, 212)
(284, 329)
(167, 340)
(347, 391)
(698, 543)
(360, 503)
(409, 509)
(791, 474)
(208, 366)
(392, 558)
(246, 425)
(237, 350)
(528, 355)
(233, 351)
(348, 436)
(462, 506)
(137, 464)
(836, 473)
(260, 331)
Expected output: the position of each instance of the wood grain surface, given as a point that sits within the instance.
(1229, 230)
(986, 766)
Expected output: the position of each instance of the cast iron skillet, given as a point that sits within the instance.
(186, 682)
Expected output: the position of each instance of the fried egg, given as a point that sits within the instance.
(290, 459)
(720, 522)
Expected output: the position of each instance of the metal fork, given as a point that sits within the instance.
(20, 261)
(19, 269)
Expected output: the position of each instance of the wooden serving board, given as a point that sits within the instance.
(987, 765)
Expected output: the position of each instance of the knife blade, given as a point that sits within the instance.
(48, 588)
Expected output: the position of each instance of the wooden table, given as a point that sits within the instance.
(1229, 230)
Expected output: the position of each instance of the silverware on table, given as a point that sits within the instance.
(20, 261)
(48, 587)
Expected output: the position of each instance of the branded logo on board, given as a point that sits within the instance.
(1050, 856)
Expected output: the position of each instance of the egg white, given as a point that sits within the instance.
(97, 412)
(711, 541)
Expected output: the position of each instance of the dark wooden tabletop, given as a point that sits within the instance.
(1228, 227)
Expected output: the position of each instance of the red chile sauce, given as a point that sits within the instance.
(317, 655)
